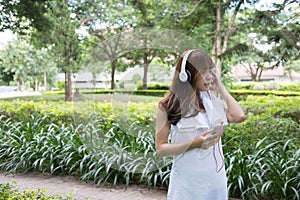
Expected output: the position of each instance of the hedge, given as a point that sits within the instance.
(239, 94)
(243, 94)
(281, 86)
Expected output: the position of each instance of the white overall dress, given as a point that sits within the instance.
(199, 174)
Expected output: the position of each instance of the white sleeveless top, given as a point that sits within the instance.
(199, 174)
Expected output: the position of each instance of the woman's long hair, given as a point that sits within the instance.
(183, 99)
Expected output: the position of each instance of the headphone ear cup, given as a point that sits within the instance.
(183, 76)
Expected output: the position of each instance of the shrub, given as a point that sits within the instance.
(60, 85)
(263, 152)
(279, 86)
(156, 86)
(272, 85)
(258, 87)
(113, 142)
(241, 95)
(268, 172)
(8, 191)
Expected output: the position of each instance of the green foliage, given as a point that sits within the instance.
(113, 142)
(159, 91)
(151, 92)
(60, 85)
(270, 171)
(276, 27)
(26, 63)
(5, 77)
(263, 152)
(8, 191)
(139, 85)
(157, 86)
(295, 87)
(243, 94)
(136, 78)
(103, 149)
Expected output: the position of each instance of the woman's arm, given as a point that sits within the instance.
(163, 148)
(234, 112)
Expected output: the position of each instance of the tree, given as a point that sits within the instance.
(159, 71)
(5, 76)
(14, 60)
(41, 65)
(149, 13)
(290, 66)
(114, 24)
(49, 23)
(272, 38)
(66, 45)
(211, 24)
(107, 21)
(281, 28)
(22, 14)
(26, 63)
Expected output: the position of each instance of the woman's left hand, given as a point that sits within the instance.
(217, 83)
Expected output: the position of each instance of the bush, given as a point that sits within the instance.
(263, 152)
(268, 172)
(114, 143)
(156, 86)
(153, 86)
(110, 143)
(272, 85)
(8, 191)
(241, 95)
(295, 87)
(258, 87)
(60, 85)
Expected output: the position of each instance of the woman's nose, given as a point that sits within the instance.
(209, 76)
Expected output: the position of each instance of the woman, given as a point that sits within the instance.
(193, 120)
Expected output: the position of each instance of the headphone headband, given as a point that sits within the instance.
(183, 76)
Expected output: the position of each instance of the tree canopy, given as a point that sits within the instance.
(127, 33)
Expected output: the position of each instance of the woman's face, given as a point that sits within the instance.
(205, 80)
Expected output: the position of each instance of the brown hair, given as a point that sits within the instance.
(183, 99)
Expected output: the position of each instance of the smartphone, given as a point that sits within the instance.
(218, 129)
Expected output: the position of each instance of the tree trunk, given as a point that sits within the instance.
(145, 66)
(36, 84)
(218, 47)
(260, 70)
(68, 86)
(45, 80)
(19, 84)
(290, 75)
(113, 69)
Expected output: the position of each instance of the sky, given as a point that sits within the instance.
(6, 36)
(266, 4)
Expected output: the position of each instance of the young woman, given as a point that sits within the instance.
(189, 124)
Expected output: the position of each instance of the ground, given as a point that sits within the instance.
(81, 190)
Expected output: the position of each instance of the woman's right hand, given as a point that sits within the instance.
(205, 140)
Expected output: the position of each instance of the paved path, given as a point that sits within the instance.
(14, 94)
(81, 190)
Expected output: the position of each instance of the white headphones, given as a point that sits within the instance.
(185, 75)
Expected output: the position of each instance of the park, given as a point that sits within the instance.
(83, 80)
